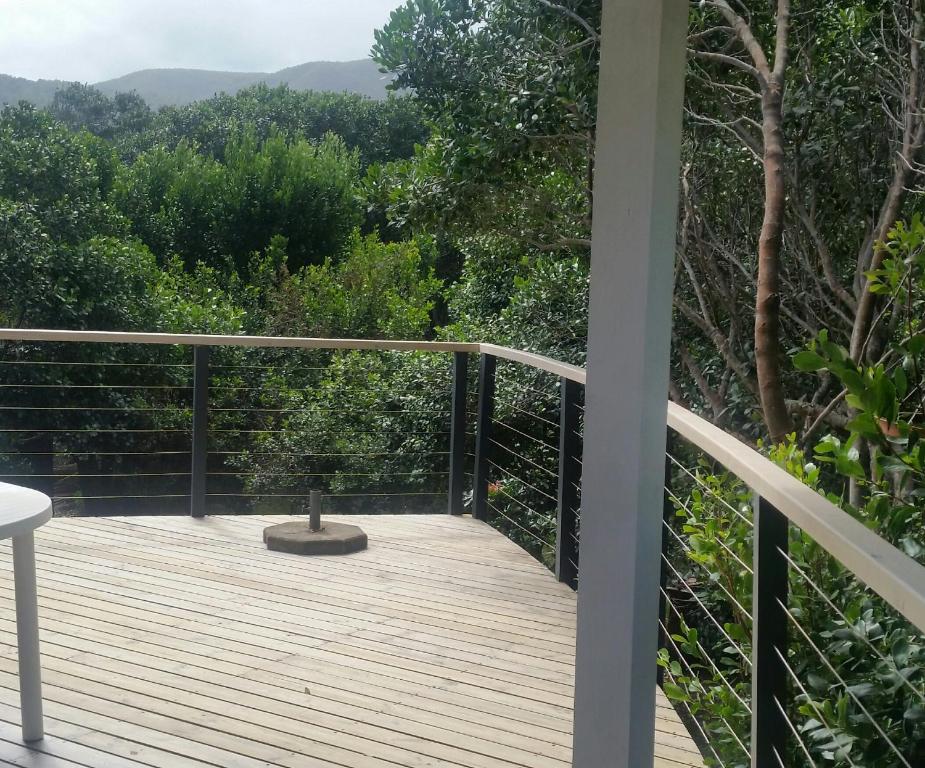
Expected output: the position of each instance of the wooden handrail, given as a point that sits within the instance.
(892, 574)
(572, 372)
(565, 370)
(208, 340)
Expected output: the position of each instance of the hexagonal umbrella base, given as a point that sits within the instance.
(297, 538)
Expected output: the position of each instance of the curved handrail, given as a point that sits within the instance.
(572, 372)
(209, 340)
(892, 574)
(548, 364)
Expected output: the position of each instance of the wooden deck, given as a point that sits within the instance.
(174, 642)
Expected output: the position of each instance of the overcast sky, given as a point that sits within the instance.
(93, 40)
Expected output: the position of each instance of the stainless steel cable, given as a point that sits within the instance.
(523, 458)
(709, 490)
(521, 480)
(707, 612)
(796, 734)
(841, 682)
(809, 699)
(518, 525)
(719, 541)
(690, 551)
(703, 651)
(844, 618)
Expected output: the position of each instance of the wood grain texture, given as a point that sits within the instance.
(171, 642)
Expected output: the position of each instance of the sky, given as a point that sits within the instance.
(94, 40)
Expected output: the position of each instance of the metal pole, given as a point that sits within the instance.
(487, 365)
(27, 631)
(770, 587)
(200, 431)
(314, 511)
(569, 477)
(636, 172)
(458, 433)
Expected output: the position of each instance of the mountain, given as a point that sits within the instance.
(160, 87)
(39, 92)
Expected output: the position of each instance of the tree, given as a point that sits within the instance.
(64, 177)
(83, 107)
(510, 86)
(66, 261)
(380, 130)
(855, 82)
(189, 204)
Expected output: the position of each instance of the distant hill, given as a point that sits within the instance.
(39, 92)
(161, 87)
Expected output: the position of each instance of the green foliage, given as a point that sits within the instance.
(185, 203)
(858, 658)
(63, 177)
(484, 289)
(883, 456)
(368, 420)
(511, 89)
(376, 290)
(705, 660)
(65, 278)
(862, 641)
(548, 309)
(380, 130)
(83, 107)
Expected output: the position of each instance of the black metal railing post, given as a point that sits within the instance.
(569, 474)
(458, 433)
(769, 635)
(487, 365)
(200, 444)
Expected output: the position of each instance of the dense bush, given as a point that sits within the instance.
(380, 130)
(185, 203)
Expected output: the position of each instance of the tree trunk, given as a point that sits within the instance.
(889, 213)
(913, 138)
(767, 301)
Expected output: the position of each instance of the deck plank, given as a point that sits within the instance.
(170, 642)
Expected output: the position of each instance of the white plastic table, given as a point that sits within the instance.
(22, 511)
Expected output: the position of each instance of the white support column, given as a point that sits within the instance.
(635, 221)
(27, 631)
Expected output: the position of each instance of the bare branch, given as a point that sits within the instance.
(722, 58)
(592, 32)
(782, 39)
(744, 33)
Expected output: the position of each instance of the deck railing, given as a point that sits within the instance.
(755, 651)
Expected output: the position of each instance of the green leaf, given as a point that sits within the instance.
(675, 693)
(900, 382)
(809, 361)
(862, 689)
(915, 713)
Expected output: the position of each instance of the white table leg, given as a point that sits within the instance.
(27, 631)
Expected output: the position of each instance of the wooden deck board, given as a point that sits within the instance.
(170, 642)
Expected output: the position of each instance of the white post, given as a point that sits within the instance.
(635, 219)
(27, 633)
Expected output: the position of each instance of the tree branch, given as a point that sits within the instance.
(744, 33)
(592, 32)
(782, 39)
(722, 58)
